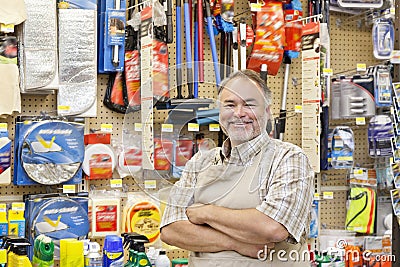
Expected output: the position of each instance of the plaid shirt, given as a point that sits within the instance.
(286, 189)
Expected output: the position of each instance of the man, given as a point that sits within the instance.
(254, 192)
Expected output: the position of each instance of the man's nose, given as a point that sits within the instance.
(239, 111)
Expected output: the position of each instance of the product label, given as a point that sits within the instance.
(145, 219)
(162, 154)
(184, 152)
(106, 218)
(5, 157)
(94, 262)
(100, 166)
(133, 156)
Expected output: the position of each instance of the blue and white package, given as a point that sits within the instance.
(314, 220)
(5, 157)
(342, 148)
(383, 38)
(380, 135)
(48, 152)
(57, 216)
(382, 86)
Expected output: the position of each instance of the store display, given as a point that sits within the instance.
(48, 152)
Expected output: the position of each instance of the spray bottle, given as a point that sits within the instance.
(8, 244)
(43, 252)
(20, 257)
(113, 251)
(93, 257)
(137, 254)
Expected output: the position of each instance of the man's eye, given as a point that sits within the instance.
(229, 105)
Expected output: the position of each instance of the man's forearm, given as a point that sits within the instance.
(248, 225)
(202, 238)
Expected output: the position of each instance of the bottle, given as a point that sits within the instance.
(93, 257)
(43, 252)
(152, 255)
(162, 259)
(20, 257)
(113, 251)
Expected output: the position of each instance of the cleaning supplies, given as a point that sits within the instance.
(142, 215)
(20, 256)
(93, 258)
(113, 251)
(137, 254)
(43, 252)
(163, 260)
(106, 217)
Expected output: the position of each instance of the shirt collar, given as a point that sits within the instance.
(243, 153)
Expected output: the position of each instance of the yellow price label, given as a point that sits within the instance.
(106, 127)
(68, 188)
(391, 160)
(116, 183)
(327, 71)
(63, 108)
(138, 127)
(298, 108)
(3, 126)
(358, 172)
(150, 184)
(193, 127)
(18, 206)
(317, 196)
(392, 11)
(6, 27)
(328, 195)
(213, 127)
(3, 207)
(167, 128)
(361, 67)
(255, 7)
(360, 121)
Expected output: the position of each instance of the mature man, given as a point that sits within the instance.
(254, 192)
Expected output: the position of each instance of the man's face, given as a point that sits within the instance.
(243, 110)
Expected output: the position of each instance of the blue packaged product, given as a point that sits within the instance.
(113, 251)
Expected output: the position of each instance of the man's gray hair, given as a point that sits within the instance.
(251, 75)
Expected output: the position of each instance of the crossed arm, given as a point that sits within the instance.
(212, 228)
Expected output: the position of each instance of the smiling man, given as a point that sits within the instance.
(253, 192)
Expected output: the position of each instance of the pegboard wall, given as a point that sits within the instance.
(350, 45)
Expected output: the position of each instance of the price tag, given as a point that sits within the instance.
(138, 127)
(63, 108)
(328, 195)
(68, 188)
(214, 127)
(392, 11)
(18, 206)
(106, 127)
(395, 57)
(3, 126)
(116, 183)
(255, 7)
(298, 109)
(193, 127)
(150, 184)
(3, 207)
(361, 67)
(360, 121)
(317, 196)
(327, 72)
(6, 27)
(167, 128)
(391, 160)
(358, 172)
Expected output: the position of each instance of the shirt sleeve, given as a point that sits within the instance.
(181, 195)
(289, 194)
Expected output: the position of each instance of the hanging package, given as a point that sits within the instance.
(380, 134)
(383, 38)
(361, 210)
(342, 148)
(48, 152)
(57, 216)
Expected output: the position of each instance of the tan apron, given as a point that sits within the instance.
(237, 187)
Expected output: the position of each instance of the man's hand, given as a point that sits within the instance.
(197, 213)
